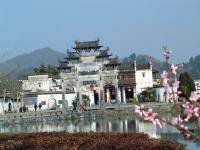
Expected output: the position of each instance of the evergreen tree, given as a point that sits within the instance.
(50, 70)
(186, 85)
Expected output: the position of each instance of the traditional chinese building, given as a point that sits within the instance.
(90, 70)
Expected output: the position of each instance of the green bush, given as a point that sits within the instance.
(133, 100)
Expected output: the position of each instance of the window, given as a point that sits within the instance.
(60, 102)
(43, 102)
(143, 74)
(39, 84)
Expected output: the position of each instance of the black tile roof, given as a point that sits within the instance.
(87, 44)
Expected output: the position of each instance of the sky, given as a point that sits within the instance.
(125, 26)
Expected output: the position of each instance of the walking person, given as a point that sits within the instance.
(9, 106)
(40, 106)
(35, 107)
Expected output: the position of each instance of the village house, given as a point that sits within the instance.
(89, 71)
(90, 75)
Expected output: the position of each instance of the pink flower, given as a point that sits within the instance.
(196, 112)
(173, 69)
(178, 120)
(187, 135)
(157, 122)
(184, 131)
(194, 96)
(150, 115)
(188, 106)
(187, 119)
(166, 54)
(165, 83)
(164, 75)
(175, 86)
(182, 127)
(190, 111)
(139, 110)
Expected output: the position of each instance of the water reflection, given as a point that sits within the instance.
(119, 124)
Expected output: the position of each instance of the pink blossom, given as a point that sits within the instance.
(188, 106)
(173, 69)
(184, 130)
(175, 86)
(157, 122)
(139, 110)
(164, 75)
(187, 119)
(178, 120)
(190, 111)
(194, 96)
(187, 135)
(182, 127)
(165, 83)
(166, 54)
(196, 112)
(150, 115)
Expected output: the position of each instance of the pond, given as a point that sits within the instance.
(108, 124)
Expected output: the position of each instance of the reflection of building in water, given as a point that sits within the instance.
(91, 73)
(148, 128)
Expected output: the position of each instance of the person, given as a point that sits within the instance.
(40, 106)
(74, 105)
(83, 107)
(20, 109)
(9, 106)
(35, 107)
(24, 108)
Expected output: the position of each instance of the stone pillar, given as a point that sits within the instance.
(126, 125)
(109, 126)
(124, 94)
(93, 127)
(99, 95)
(91, 97)
(121, 126)
(119, 95)
(108, 95)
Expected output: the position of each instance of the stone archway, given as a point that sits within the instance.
(52, 104)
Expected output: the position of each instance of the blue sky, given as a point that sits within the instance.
(126, 26)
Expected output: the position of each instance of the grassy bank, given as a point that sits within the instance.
(85, 141)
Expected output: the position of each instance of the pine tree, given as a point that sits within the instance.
(186, 85)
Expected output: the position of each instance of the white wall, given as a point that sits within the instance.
(37, 82)
(5, 106)
(49, 99)
(40, 82)
(144, 79)
(160, 94)
(197, 85)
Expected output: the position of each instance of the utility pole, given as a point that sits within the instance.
(4, 98)
(101, 93)
(18, 96)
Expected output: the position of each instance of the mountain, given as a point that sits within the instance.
(24, 64)
(157, 64)
(142, 59)
(193, 67)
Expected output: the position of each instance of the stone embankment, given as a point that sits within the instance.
(62, 114)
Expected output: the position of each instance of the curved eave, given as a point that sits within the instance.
(86, 48)
(114, 64)
(70, 58)
(100, 56)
